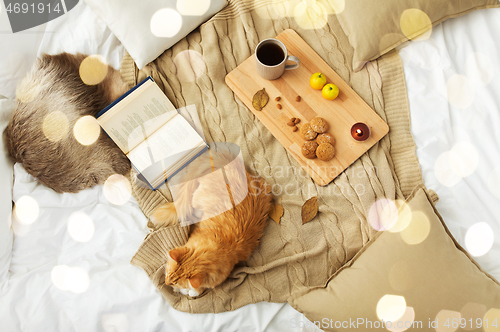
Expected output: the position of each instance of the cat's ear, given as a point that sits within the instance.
(196, 281)
(177, 254)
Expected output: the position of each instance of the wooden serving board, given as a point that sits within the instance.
(347, 109)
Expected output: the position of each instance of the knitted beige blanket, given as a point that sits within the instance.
(291, 255)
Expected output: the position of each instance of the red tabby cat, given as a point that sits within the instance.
(216, 244)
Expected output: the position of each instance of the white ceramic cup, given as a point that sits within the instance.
(273, 70)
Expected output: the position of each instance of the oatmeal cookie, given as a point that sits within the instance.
(319, 125)
(307, 132)
(325, 138)
(325, 151)
(309, 149)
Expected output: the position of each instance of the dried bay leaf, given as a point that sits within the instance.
(309, 209)
(276, 213)
(260, 99)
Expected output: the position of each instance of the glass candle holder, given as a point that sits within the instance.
(360, 131)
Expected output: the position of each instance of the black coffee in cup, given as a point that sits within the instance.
(270, 54)
(270, 58)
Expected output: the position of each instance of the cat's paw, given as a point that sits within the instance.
(188, 292)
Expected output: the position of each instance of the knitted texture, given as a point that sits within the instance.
(291, 256)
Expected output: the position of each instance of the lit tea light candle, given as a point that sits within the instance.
(360, 131)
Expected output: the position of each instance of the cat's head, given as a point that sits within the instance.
(183, 273)
(192, 271)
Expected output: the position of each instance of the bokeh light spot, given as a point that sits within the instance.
(479, 239)
(390, 308)
(389, 40)
(73, 279)
(444, 172)
(86, 130)
(58, 276)
(77, 280)
(280, 9)
(472, 312)
(383, 214)
(93, 69)
(55, 126)
(310, 15)
(418, 229)
(403, 323)
(193, 7)
(404, 217)
(80, 226)
(414, 23)
(338, 6)
(26, 210)
(117, 189)
(493, 315)
(460, 91)
(166, 23)
(464, 159)
(189, 65)
(478, 68)
(449, 315)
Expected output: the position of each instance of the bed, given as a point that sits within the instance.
(70, 269)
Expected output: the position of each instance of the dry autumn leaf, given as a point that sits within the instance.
(309, 209)
(276, 213)
(260, 99)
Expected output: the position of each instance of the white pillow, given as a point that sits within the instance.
(6, 182)
(147, 28)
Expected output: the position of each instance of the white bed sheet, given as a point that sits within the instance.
(57, 283)
(453, 87)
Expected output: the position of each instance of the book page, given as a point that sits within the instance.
(137, 116)
(167, 145)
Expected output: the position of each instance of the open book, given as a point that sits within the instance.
(146, 126)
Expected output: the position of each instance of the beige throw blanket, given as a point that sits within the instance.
(290, 256)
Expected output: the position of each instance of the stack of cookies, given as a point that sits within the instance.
(323, 146)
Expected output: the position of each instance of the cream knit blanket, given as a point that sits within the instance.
(291, 255)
